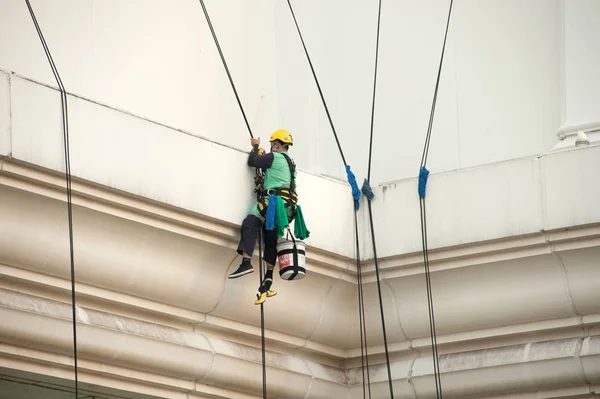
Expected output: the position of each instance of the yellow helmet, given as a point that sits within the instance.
(282, 135)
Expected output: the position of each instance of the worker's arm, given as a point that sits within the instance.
(260, 161)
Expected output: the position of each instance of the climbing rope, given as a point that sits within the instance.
(237, 97)
(423, 176)
(369, 194)
(374, 91)
(260, 236)
(67, 157)
(262, 317)
(364, 353)
(356, 195)
(318, 85)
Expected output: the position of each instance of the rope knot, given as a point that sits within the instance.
(367, 191)
(423, 176)
(355, 190)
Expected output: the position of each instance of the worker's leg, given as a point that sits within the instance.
(270, 257)
(248, 233)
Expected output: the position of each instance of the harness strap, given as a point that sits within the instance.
(292, 167)
(294, 257)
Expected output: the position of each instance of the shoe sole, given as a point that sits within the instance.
(232, 276)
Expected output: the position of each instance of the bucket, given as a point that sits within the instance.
(291, 263)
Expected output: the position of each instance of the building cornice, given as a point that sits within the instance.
(338, 276)
(114, 353)
(40, 181)
(483, 252)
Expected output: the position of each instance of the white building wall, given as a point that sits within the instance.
(581, 80)
(499, 92)
(154, 59)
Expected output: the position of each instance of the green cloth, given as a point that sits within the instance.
(300, 230)
(281, 218)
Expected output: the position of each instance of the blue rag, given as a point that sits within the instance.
(423, 175)
(366, 190)
(271, 212)
(355, 190)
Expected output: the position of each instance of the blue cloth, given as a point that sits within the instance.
(355, 190)
(366, 190)
(271, 212)
(423, 176)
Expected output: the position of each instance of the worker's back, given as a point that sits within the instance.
(278, 175)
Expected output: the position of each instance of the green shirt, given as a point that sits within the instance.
(278, 174)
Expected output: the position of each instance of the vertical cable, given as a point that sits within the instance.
(237, 97)
(260, 235)
(423, 175)
(317, 82)
(434, 347)
(67, 158)
(385, 343)
(374, 91)
(262, 314)
(435, 92)
(364, 352)
(361, 304)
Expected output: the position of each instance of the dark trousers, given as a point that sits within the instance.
(249, 232)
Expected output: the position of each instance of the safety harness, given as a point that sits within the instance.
(288, 195)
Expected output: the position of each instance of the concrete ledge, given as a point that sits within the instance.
(155, 349)
(122, 353)
(168, 266)
(465, 207)
(170, 165)
(562, 368)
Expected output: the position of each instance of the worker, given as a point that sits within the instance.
(279, 179)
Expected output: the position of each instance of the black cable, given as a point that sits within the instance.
(387, 355)
(262, 316)
(435, 92)
(432, 328)
(364, 352)
(385, 343)
(374, 89)
(318, 85)
(67, 157)
(361, 303)
(214, 35)
(260, 251)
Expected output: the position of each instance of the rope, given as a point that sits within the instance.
(423, 175)
(67, 157)
(385, 343)
(260, 238)
(364, 354)
(356, 195)
(374, 90)
(436, 366)
(237, 97)
(435, 92)
(318, 85)
(262, 316)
